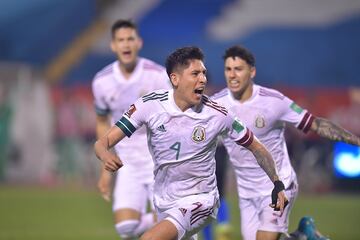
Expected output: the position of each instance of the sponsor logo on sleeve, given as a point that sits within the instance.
(296, 108)
(237, 125)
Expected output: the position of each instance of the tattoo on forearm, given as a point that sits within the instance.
(266, 162)
(327, 129)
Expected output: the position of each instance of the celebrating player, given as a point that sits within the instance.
(114, 89)
(265, 111)
(183, 126)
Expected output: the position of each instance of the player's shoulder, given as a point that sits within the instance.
(104, 73)
(265, 92)
(151, 66)
(156, 96)
(154, 101)
(213, 105)
(220, 95)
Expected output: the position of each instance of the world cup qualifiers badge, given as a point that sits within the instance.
(260, 122)
(131, 110)
(198, 134)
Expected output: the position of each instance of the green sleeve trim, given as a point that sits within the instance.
(126, 126)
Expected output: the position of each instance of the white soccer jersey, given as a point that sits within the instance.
(182, 143)
(113, 94)
(265, 113)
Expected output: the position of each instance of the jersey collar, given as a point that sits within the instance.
(133, 77)
(253, 96)
(174, 108)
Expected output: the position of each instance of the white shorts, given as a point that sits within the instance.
(191, 214)
(257, 215)
(131, 192)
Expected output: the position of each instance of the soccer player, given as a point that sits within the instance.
(115, 87)
(265, 111)
(182, 126)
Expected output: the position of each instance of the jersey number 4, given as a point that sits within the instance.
(176, 146)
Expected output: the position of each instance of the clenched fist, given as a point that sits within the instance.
(111, 162)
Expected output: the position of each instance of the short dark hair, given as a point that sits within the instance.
(241, 52)
(122, 23)
(181, 58)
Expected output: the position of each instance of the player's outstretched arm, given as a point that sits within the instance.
(264, 159)
(111, 161)
(326, 128)
(266, 162)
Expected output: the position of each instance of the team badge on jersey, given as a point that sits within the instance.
(296, 108)
(131, 110)
(198, 134)
(259, 121)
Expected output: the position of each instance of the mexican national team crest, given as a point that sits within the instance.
(198, 134)
(260, 121)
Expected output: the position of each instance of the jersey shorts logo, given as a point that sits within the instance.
(161, 128)
(260, 121)
(131, 110)
(198, 134)
(237, 126)
(183, 211)
(296, 108)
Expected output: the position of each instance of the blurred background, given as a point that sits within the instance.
(51, 49)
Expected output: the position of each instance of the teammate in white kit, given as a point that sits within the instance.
(265, 111)
(114, 88)
(183, 126)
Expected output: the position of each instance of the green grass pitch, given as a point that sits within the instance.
(72, 213)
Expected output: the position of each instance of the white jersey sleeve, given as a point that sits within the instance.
(134, 118)
(101, 107)
(295, 115)
(234, 128)
(238, 131)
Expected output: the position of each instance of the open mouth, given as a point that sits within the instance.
(199, 91)
(127, 53)
(234, 83)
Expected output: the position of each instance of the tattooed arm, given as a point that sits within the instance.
(326, 128)
(264, 159)
(266, 162)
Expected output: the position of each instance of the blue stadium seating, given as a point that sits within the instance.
(35, 31)
(307, 56)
